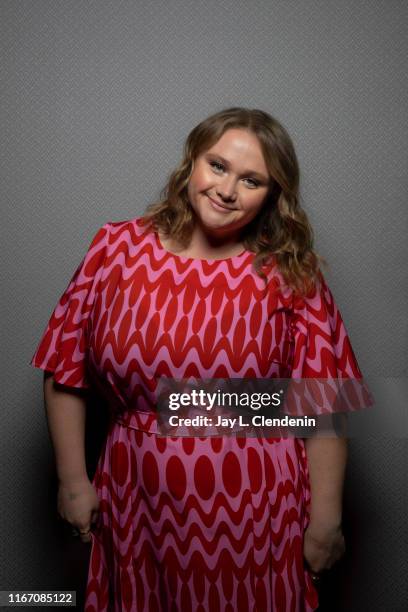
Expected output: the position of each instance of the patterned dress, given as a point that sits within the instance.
(189, 523)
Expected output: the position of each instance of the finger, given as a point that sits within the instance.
(314, 563)
(86, 538)
(79, 532)
(85, 534)
(315, 578)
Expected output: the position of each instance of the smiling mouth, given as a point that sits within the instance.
(219, 205)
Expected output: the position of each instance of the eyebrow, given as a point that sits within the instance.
(262, 177)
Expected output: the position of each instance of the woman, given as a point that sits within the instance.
(218, 280)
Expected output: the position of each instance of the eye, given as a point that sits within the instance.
(219, 167)
(254, 183)
(216, 165)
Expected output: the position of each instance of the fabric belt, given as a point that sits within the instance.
(135, 419)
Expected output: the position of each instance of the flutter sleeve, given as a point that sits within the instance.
(326, 376)
(63, 346)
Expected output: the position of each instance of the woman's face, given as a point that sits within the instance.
(229, 183)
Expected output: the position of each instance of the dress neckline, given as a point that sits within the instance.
(184, 259)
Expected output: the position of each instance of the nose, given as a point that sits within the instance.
(226, 188)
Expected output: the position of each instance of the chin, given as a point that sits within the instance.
(212, 220)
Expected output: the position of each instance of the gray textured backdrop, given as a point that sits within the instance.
(96, 100)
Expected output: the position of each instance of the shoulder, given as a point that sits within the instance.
(127, 230)
(318, 309)
(282, 295)
(135, 223)
(129, 235)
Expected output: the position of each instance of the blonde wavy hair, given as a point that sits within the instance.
(281, 231)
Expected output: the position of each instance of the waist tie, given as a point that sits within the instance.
(135, 419)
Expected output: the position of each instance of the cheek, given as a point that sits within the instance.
(200, 180)
(253, 202)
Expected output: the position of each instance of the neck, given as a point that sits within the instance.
(205, 246)
(205, 243)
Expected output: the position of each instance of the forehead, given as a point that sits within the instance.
(240, 147)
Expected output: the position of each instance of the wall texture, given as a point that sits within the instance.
(96, 100)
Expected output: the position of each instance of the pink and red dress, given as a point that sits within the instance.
(189, 523)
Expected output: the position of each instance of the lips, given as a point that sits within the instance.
(219, 204)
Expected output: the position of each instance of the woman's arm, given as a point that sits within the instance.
(327, 462)
(324, 541)
(78, 502)
(66, 424)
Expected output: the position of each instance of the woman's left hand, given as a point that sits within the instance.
(323, 545)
